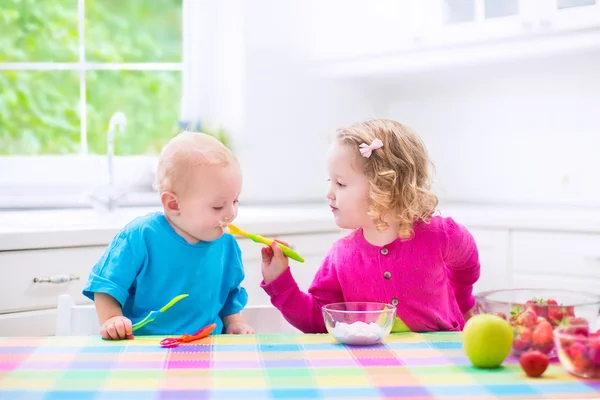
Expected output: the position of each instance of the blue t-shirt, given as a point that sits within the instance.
(148, 263)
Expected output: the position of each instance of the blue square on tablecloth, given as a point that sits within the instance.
(20, 395)
(102, 349)
(350, 393)
(323, 346)
(71, 395)
(296, 394)
(565, 388)
(126, 395)
(234, 347)
(278, 347)
(512, 390)
(181, 395)
(403, 391)
(447, 345)
(458, 390)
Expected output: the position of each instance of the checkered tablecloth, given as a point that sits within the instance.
(407, 366)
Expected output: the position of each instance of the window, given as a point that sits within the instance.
(65, 67)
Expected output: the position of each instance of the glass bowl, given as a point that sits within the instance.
(578, 350)
(359, 323)
(535, 313)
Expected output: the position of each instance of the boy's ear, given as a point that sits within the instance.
(170, 203)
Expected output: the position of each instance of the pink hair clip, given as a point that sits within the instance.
(367, 149)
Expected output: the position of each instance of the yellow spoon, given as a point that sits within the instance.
(234, 230)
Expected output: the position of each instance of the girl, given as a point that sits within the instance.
(397, 253)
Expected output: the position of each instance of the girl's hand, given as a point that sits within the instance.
(274, 263)
(116, 328)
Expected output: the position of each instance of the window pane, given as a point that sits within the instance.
(133, 30)
(499, 9)
(150, 100)
(39, 112)
(457, 11)
(34, 30)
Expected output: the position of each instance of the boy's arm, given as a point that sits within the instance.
(106, 307)
(111, 278)
(237, 297)
(462, 261)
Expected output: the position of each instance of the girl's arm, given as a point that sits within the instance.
(303, 310)
(462, 261)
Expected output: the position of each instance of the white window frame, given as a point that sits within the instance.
(61, 181)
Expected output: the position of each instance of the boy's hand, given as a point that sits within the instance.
(116, 328)
(239, 328)
(274, 263)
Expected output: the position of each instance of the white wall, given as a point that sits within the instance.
(250, 77)
(525, 132)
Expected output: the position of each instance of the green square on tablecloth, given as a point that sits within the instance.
(31, 374)
(503, 369)
(86, 374)
(79, 384)
(276, 373)
(291, 382)
(237, 372)
(442, 336)
(340, 371)
(435, 369)
(136, 374)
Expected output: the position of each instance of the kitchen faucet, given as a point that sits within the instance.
(107, 195)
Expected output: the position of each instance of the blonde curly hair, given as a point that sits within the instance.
(398, 173)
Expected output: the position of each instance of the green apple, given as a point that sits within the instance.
(487, 340)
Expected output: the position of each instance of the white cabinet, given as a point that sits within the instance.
(28, 307)
(437, 34)
(453, 22)
(568, 15)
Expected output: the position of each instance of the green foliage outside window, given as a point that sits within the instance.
(39, 110)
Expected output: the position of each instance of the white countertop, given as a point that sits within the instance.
(85, 227)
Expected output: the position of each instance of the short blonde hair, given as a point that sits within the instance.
(184, 152)
(398, 173)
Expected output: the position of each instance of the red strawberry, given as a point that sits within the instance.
(570, 311)
(555, 315)
(551, 302)
(580, 326)
(527, 318)
(576, 351)
(543, 336)
(534, 363)
(526, 334)
(521, 345)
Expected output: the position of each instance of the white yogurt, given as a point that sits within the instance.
(358, 333)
